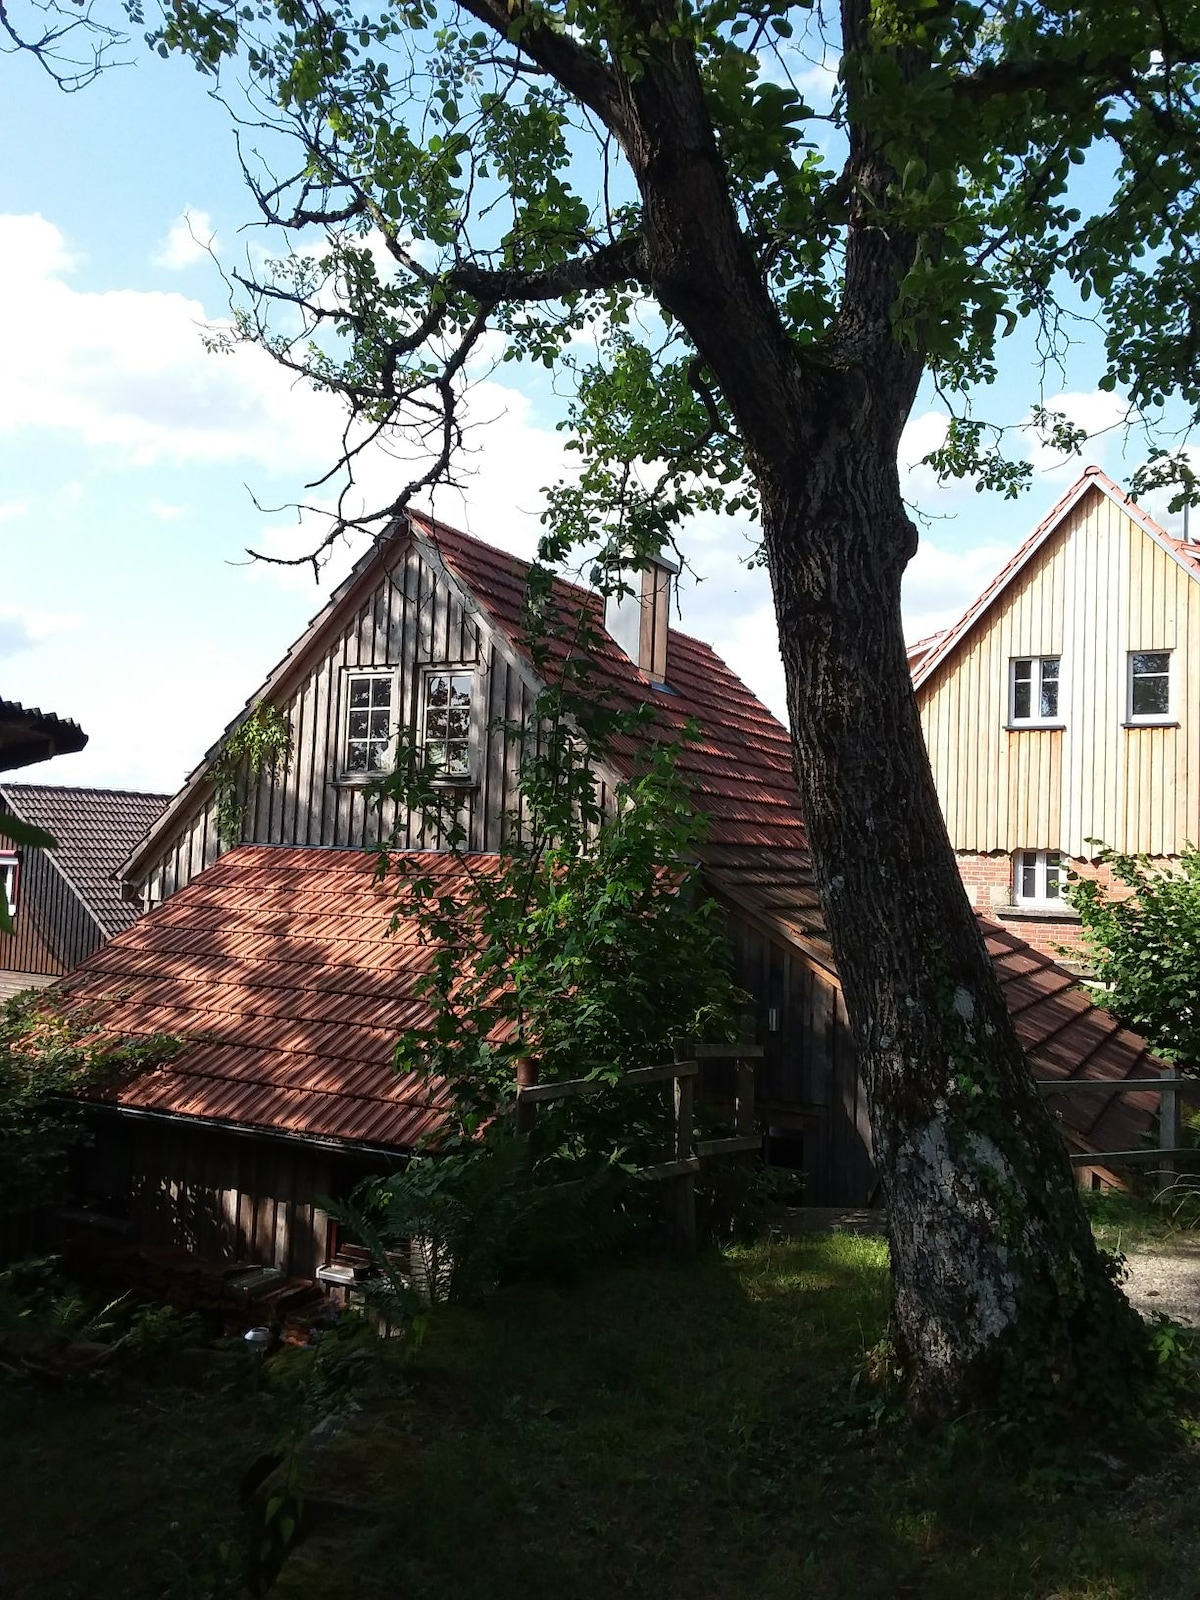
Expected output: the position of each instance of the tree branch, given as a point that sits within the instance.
(579, 71)
(612, 264)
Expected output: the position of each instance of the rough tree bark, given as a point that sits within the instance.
(994, 1266)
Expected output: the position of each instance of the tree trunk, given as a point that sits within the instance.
(995, 1271)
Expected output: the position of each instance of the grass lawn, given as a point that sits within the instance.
(673, 1431)
(690, 1432)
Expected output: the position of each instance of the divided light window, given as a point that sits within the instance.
(368, 722)
(1038, 878)
(1034, 689)
(1149, 685)
(446, 722)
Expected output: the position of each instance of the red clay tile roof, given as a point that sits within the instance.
(95, 829)
(740, 769)
(279, 962)
(280, 954)
(280, 965)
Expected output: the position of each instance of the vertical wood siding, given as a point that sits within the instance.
(52, 931)
(412, 619)
(1099, 588)
(233, 1197)
(809, 1073)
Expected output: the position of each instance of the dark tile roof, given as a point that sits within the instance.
(95, 829)
(280, 963)
(28, 735)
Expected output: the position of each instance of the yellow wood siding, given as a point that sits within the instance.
(1099, 588)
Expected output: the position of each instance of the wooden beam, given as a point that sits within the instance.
(729, 1145)
(1162, 1085)
(726, 1052)
(669, 1169)
(1127, 1158)
(538, 1092)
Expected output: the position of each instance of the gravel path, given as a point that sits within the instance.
(1166, 1278)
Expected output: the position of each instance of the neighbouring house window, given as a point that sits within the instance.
(1149, 685)
(8, 879)
(1034, 689)
(369, 722)
(1038, 878)
(446, 721)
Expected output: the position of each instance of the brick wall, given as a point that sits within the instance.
(988, 881)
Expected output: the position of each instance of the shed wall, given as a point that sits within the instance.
(228, 1196)
(808, 1080)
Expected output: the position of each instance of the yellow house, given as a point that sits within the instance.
(1064, 707)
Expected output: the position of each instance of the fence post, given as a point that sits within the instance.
(527, 1076)
(679, 1194)
(1170, 1134)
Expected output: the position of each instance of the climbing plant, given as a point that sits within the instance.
(262, 743)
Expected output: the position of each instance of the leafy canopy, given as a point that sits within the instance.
(452, 184)
(1143, 938)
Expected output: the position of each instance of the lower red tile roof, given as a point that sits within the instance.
(279, 963)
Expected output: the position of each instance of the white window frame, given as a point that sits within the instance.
(1040, 863)
(369, 774)
(453, 669)
(10, 877)
(1154, 718)
(1037, 680)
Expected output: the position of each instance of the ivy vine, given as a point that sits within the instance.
(260, 744)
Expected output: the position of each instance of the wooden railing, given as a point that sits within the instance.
(678, 1173)
(1169, 1087)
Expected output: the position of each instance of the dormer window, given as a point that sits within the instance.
(446, 721)
(1033, 689)
(1149, 686)
(369, 723)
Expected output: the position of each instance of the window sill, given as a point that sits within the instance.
(1032, 913)
(1150, 722)
(1034, 727)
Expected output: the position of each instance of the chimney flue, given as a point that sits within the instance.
(639, 622)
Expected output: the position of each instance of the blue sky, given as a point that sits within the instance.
(129, 455)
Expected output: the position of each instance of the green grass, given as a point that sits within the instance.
(691, 1432)
(126, 1491)
(1123, 1222)
(683, 1432)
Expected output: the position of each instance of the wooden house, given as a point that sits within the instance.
(65, 902)
(273, 956)
(1064, 708)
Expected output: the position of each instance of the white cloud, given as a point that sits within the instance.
(164, 511)
(189, 239)
(127, 373)
(23, 627)
(11, 509)
(940, 583)
(1100, 414)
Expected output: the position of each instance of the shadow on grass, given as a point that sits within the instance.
(691, 1431)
